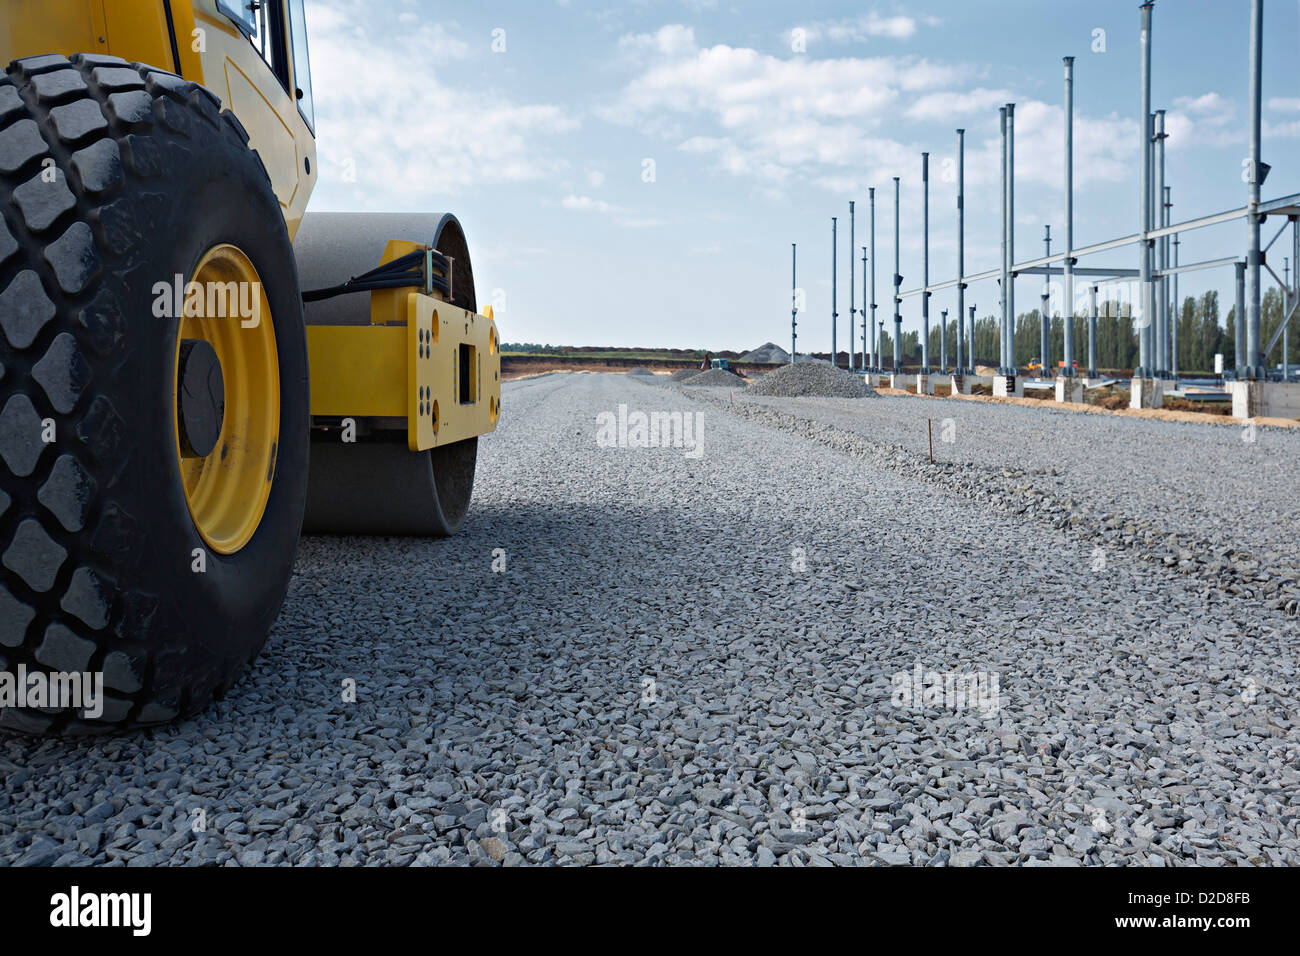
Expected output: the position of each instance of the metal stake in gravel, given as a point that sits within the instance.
(929, 430)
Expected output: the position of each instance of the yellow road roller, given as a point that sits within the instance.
(179, 336)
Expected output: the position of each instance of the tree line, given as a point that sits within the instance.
(1202, 332)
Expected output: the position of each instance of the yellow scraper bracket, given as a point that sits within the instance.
(440, 370)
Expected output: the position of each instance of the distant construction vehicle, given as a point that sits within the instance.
(162, 382)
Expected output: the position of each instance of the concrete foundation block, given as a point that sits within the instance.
(1146, 393)
(1008, 386)
(958, 384)
(924, 385)
(1069, 389)
(902, 382)
(1265, 399)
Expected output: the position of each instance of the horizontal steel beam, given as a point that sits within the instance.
(1197, 266)
(1078, 270)
(1201, 223)
(1286, 205)
(1099, 271)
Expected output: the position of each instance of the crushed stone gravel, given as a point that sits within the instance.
(812, 379)
(585, 676)
(716, 376)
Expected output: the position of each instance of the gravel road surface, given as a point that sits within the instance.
(796, 643)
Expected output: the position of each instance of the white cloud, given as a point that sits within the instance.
(954, 105)
(1289, 130)
(1205, 120)
(587, 204)
(1284, 104)
(624, 218)
(779, 121)
(771, 116)
(867, 27)
(371, 81)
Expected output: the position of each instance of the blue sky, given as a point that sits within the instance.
(534, 122)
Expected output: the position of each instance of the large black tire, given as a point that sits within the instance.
(96, 538)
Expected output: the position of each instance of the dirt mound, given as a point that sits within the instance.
(812, 380)
(768, 352)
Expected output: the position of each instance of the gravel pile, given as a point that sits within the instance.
(682, 374)
(716, 376)
(641, 371)
(626, 691)
(812, 379)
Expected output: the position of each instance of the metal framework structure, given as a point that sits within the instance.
(1153, 308)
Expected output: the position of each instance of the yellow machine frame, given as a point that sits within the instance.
(408, 361)
(421, 358)
(209, 49)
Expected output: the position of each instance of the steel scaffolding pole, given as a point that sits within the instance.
(1254, 359)
(1067, 305)
(794, 296)
(1044, 318)
(1006, 275)
(875, 340)
(961, 242)
(1147, 306)
(1092, 331)
(898, 284)
(1011, 238)
(972, 337)
(852, 309)
(1161, 251)
(925, 263)
(834, 314)
(1239, 355)
(943, 341)
(1175, 316)
(866, 363)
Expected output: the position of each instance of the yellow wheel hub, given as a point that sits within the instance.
(227, 487)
